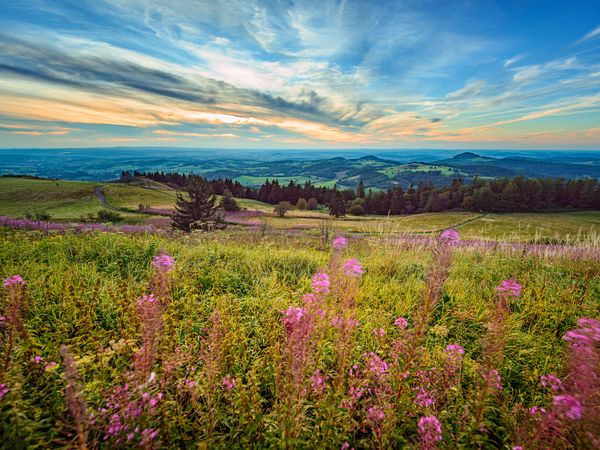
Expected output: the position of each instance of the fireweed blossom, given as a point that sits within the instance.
(228, 383)
(551, 382)
(15, 280)
(492, 379)
(353, 268)
(569, 406)
(379, 332)
(430, 431)
(449, 236)
(339, 243)
(401, 323)
(509, 288)
(320, 283)
(163, 262)
(3, 390)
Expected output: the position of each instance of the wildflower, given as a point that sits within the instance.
(38, 359)
(449, 236)
(376, 364)
(339, 323)
(320, 283)
(493, 379)
(375, 414)
(509, 288)
(401, 323)
(379, 332)
(346, 446)
(517, 447)
(424, 397)
(318, 381)
(292, 317)
(340, 242)
(535, 410)
(454, 349)
(163, 262)
(228, 383)
(430, 431)
(146, 299)
(570, 406)
(50, 365)
(353, 268)
(552, 382)
(15, 280)
(3, 390)
(309, 298)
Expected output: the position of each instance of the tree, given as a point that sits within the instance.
(227, 202)
(337, 207)
(360, 190)
(302, 204)
(199, 211)
(282, 207)
(312, 204)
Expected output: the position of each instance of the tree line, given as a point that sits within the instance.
(517, 194)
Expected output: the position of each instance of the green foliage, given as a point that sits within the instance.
(104, 215)
(282, 208)
(228, 203)
(198, 211)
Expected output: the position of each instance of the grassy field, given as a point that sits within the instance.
(69, 201)
(218, 365)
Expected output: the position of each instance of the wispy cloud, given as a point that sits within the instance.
(589, 36)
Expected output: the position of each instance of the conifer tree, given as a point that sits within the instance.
(199, 211)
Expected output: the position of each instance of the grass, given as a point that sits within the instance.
(82, 291)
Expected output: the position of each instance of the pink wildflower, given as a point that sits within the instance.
(401, 323)
(375, 414)
(318, 381)
(15, 280)
(50, 365)
(376, 364)
(535, 410)
(163, 262)
(552, 382)
(320, 283)
(146, 299)
(424, 397)
(379, 332)
(292, 317)
(449, 236)
(353, 268)
(569, 405)
(493, 379)
(509, 288)
(228, 383)
(3, 390)
(38, 359)
(430, 431)
(454, 349)
(340, 242)
(309, 298)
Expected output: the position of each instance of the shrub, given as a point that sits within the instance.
(282, 207)
(301, 204)
(105, 215)
(357, 210)
(312, 204)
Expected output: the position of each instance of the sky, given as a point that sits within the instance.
(300, 74)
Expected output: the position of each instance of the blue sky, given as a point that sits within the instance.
(296, 74)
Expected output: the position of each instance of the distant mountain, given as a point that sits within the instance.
(346, 168)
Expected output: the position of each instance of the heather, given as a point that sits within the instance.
(237, 339)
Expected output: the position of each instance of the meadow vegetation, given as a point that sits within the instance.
(249, 339)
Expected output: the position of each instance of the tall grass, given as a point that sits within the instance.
(274, 342)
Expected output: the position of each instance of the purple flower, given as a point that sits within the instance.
(353, 268)
(552, 382)
(293, 316)
(454, 349)
(509, 288)
(50, 365)
(535, 410)
(493, 379)
(3, 390)
(401, 323)
(376, 364)
(430, 431)
(320, 283)
(146, 299)
(38, 359)
(379, 332)
(228, 383)
(449, 236)
(569, 405)
(15, 280)
(318, 381)
(424, 397)
(339, 242)
(375, 414)
(163, 262)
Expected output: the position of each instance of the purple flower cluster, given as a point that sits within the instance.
(163, 262)
(492, 379)
(551, 382)
(339, 243)
(353, 268)
(569, 406)
(3, 390)
(320, 283)
(15, 280)
(228, 383)
(509, 288)
(449, 236)
(430, 431)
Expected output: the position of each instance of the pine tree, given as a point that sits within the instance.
(360, 190)
(199, 211)
(337, 207)
(227, 202)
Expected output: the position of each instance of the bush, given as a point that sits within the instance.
(302, 204)
(105, 215)
(312, 204)
(282, 208)
(39, 216)
(357, 210)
